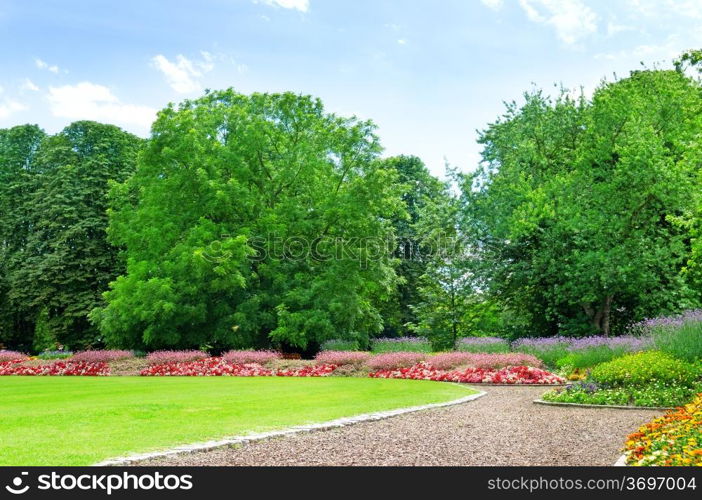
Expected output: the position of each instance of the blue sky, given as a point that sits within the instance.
(429, 73)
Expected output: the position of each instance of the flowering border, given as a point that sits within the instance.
(299, 429)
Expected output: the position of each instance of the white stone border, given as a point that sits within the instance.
(621, 462)
(331, 424)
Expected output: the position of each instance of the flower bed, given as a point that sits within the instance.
(217, 367)
(246, 357)
(395, 360)
(450, 360)
(161, 357)
(673, 439)
(104, 356)
(526, 375)
(649, 378)
(57, 368)
(342, 358)
(6, 356)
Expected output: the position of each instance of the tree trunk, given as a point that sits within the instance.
(600, 317)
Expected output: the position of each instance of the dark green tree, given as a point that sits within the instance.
(18, 181)
(67, 262)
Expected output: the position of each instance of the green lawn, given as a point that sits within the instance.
(83, 420)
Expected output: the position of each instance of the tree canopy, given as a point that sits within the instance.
(252, 220)
(579, 211)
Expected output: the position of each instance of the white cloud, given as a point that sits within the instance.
(572, 19)
(301, 5)
(183, 75)
(9, 107)
(402, 41)
(28, 84)
(44, 65)
(493, 4)
(90, 101)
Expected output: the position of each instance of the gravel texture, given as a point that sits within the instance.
(504, 427)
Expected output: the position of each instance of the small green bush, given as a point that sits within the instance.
(587, 358)
(652, 367)
(339, 345)
(401, 344)
(648, 395)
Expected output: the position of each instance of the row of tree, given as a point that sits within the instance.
(251, 221)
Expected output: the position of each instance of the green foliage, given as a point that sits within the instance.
(581, 209)
(646, 368)
(681, 341)
(252, 220)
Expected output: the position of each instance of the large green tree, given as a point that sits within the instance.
(579, 211)
(252, 220)
(66, 261)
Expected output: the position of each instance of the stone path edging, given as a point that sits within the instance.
(611, 407)
(331, 424)
(621, 462)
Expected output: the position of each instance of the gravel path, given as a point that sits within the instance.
(502, 428)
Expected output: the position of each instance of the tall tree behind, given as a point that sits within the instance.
(419, 188)
(18, 181)
(68, 263)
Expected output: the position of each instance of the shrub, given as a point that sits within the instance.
(401, 344)
(341, 358)
(672, 439)
(547, 349)
(482, 344)
(450, 360)
(246, 357)
(101, 356)
(589, 357)
(394, 360)
(339, 345)
(11, 356)
(46, 355)
(684, 340)
(646, 368)
(160, 357)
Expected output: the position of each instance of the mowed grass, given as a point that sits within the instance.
(83, 420)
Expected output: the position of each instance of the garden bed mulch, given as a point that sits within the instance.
(610, 407)
(503, 428)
